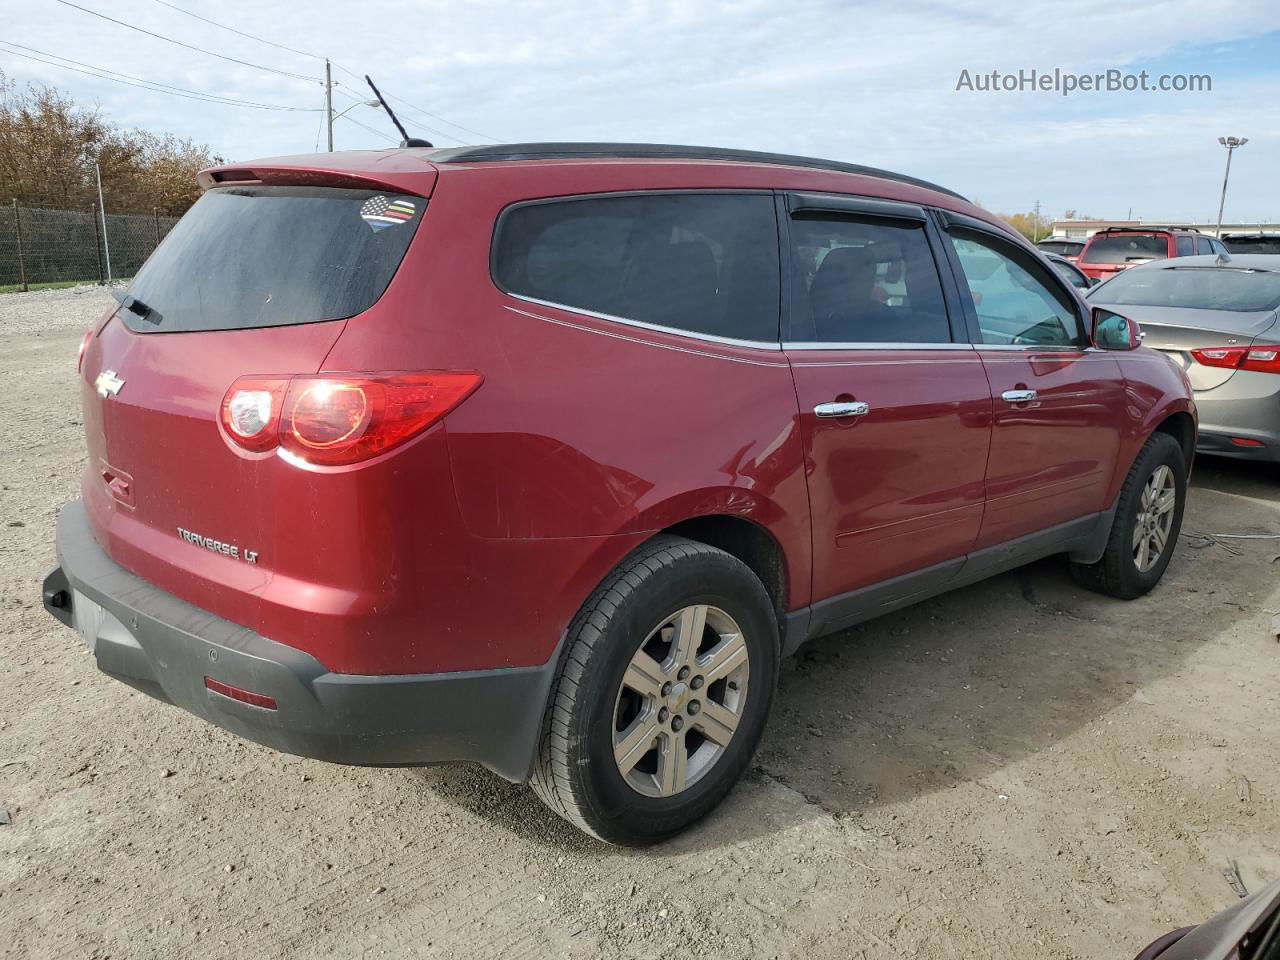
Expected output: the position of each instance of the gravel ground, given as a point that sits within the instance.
(1017, 765)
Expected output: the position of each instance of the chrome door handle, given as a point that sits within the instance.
(848, 409)
(1018, 396)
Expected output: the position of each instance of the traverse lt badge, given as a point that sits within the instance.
(108, 382)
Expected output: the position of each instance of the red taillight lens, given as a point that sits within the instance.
(84, 345)
(1258, 359)
(338, 419)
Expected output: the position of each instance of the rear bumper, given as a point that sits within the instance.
(166, 648)
(1246, 406)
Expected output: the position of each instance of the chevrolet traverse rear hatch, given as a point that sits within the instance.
(191, 483)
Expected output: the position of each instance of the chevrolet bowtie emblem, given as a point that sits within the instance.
(108, 382)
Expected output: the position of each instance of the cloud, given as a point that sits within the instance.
(873, 82)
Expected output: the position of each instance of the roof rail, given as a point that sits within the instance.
(1144, 227)
(661, 151)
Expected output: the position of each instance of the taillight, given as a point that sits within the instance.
(84, 345)
(251, 411)
(337, 419)
(1258, 359)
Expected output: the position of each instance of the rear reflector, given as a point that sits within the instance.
(338, 419)
(244, 696)
(1257, 359)
(1246, 442)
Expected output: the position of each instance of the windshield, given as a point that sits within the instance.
(1125, 248)
(1195, 288)
(268, 256)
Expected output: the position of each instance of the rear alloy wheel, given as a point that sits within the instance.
(662, 695)
(680, 701)
(1147, 521)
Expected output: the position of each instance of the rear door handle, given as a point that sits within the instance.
(852, 408)
(1018, 396)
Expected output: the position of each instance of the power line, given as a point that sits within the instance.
(244, 63)
(416, 124)
(223, 26)
(152, 85)
(350, 73)
(392, 96)
(376, 133)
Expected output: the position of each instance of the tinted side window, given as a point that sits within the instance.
(1185, 248)
(1203, 245)
(703, 263)
(864, 281)
(1015, 302)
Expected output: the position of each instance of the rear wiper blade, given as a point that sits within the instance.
(136, 306)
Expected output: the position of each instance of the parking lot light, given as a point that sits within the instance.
(1230, 143)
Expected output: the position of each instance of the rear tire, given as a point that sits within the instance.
(662, 695)
(1148, 512)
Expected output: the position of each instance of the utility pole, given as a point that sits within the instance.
(1035, 226)
(328, 102)
(1230, 143)
(102, 207)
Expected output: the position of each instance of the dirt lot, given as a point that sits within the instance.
(1018, 767)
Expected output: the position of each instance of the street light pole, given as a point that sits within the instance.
(1230, 143)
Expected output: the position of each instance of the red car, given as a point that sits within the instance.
(1118, 248)
(543, 455)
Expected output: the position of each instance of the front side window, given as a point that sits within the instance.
(864, 281)
(1203, 245)
(700, 263)
(1014, 303)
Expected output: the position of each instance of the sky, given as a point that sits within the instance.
(871, 82)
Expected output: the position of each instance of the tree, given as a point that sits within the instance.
(49, 145)
(1030, 225)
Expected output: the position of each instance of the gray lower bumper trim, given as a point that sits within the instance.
(166, 647)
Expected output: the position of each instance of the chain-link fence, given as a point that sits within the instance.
(39, 246)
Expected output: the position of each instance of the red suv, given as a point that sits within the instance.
(542, 456)
(1118, 248)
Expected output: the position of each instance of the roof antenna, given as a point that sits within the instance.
(408, 141)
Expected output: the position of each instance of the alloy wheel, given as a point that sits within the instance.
(1155, 518)
(680, 701)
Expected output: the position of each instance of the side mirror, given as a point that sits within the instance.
(1114, 332)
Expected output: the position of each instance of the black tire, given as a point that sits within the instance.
(1117, 573)
(575, 773)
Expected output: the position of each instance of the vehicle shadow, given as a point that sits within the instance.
(957, 688)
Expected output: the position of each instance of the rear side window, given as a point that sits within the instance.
(701, 263)
(864, 281)
(1203, 246)
(269, 256)
(1185, 247)
(1112, 248)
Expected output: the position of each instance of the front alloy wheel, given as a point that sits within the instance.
(1155, 518)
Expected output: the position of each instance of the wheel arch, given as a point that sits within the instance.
(1182, 427)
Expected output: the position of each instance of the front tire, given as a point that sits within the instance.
(662, 694)
(1145, 529)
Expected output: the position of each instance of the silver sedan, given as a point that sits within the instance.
(1216, 318)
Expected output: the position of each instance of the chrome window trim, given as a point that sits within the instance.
(656, 328)
(1038, 348)
(873, 345)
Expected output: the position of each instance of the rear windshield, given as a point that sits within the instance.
(1124, 248)
(1252, 244)
(1197, 288)
(269, 256)
(1063, 248)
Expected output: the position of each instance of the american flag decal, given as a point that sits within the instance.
(379, 212)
